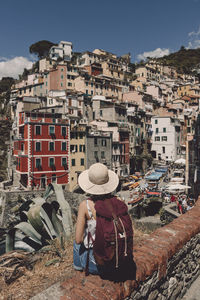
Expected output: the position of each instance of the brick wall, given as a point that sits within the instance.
(167, 263)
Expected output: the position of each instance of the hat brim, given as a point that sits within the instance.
(95, 189)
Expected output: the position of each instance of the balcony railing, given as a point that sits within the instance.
(19, 137)
(39, 168)
(22, 152)
(53, 167)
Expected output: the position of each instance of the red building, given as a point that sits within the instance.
(124, 148)
(42, 148)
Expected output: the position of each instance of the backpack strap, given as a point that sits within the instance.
(115, 217)
(89, 236)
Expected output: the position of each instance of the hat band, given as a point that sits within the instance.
(99, 181)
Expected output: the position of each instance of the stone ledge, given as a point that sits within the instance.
(150, 255)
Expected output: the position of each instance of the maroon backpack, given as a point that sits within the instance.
(113, 243)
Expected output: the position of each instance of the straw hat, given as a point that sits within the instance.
(98, 180)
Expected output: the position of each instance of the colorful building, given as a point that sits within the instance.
(41, 148)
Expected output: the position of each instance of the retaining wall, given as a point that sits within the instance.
(167, 262)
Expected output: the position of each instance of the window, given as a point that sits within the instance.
(164, 129)
(102, 154)
(38, 163)
(64, 146)
(82, 161)
(101, 112)
(51, 130)
(104, 143)
(73, 148)
(156, 121)
(157, 139)
(164, 138)
(95, 154)
(53, 178)
(95, 141)
(61, 76)
(157, 130)
(63, 131)
(163, 149)
(37, 146)
(51, 146)
(64, 161)
(51, 162)
(73, 162)
(81, 148)
(33, 116)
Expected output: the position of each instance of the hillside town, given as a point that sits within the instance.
(72, 110)
(75, 109)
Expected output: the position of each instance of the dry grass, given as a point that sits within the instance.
(42, 276)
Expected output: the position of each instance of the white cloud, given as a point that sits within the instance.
(14, 66)
(155, 53)
(194, 39)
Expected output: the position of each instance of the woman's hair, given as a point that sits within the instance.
(100, 197)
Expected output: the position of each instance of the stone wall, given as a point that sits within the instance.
(167, 262)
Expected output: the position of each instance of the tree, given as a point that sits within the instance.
(41, 48)
(182, 48)
(6, 83)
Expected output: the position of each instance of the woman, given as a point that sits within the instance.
(99, 182)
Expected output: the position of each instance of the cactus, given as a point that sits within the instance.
(42, 222)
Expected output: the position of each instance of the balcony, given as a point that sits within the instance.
(53, 167)
(22, 152)
(53, 136)
(18, 138)
(65, 166)
(39, 167)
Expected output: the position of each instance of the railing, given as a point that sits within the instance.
(22, 152)
(19, 137)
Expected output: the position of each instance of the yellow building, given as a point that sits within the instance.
(96, 85)
(112, 69)
(184, 90)
(77, 154)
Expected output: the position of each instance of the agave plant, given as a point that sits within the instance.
(42, 222)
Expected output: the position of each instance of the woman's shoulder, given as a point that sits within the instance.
(83, 204)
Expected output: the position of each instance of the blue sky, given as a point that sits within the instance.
(141, 27)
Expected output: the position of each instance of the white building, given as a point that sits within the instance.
(166, 138)
(63, 50)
